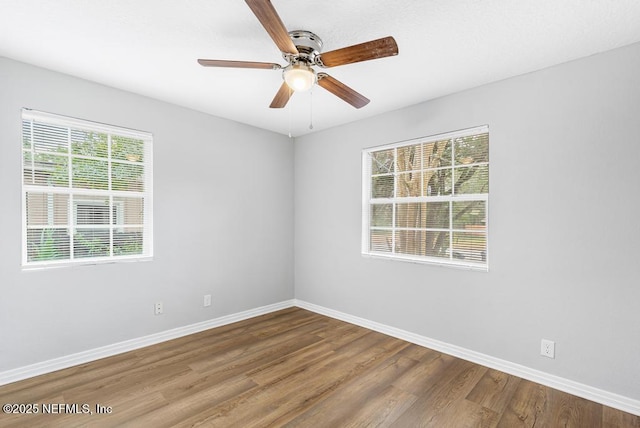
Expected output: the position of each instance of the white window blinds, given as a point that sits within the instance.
(426, 200)
(87, 191)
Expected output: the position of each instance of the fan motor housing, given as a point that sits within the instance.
(309, 46)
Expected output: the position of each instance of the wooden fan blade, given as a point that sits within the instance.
(341, 90)
(268, 17)
(379, 48)
(282, 97)
(238, 64)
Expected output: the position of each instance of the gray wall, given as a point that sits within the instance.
(564, 224)
(223, 212)
(564, 228)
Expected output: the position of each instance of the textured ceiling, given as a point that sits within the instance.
(150, 47)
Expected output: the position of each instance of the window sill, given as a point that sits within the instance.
(34, 266)
(480, 267)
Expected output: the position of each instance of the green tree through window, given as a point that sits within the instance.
(427, 200)
(87, 191)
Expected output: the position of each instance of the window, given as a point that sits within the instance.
(426, 200)
(87, 191)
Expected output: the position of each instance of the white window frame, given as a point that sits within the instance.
(368, 201)
(115, 225)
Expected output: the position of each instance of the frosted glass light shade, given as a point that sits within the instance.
(299, 77)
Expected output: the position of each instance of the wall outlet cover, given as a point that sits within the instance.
(548, 348)
(158, 308)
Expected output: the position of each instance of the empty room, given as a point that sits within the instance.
(254, 213)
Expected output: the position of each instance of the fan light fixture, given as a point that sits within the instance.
(299, 77)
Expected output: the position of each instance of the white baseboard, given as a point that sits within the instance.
(575, 388)
(49, 366)
(581, 390)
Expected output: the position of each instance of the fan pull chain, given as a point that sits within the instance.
(289, 111)
(311, 109)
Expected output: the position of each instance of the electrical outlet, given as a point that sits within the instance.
(548, 348)
(207, 300)
(158, 308)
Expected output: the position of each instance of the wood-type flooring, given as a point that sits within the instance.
(294, 368)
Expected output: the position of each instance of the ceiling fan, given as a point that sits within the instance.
(302, 50)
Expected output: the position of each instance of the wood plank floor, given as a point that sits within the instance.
(295, 368)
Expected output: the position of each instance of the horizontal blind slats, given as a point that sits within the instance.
(86, 190)
(427, 199)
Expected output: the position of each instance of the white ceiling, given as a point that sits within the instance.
(150, 47)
